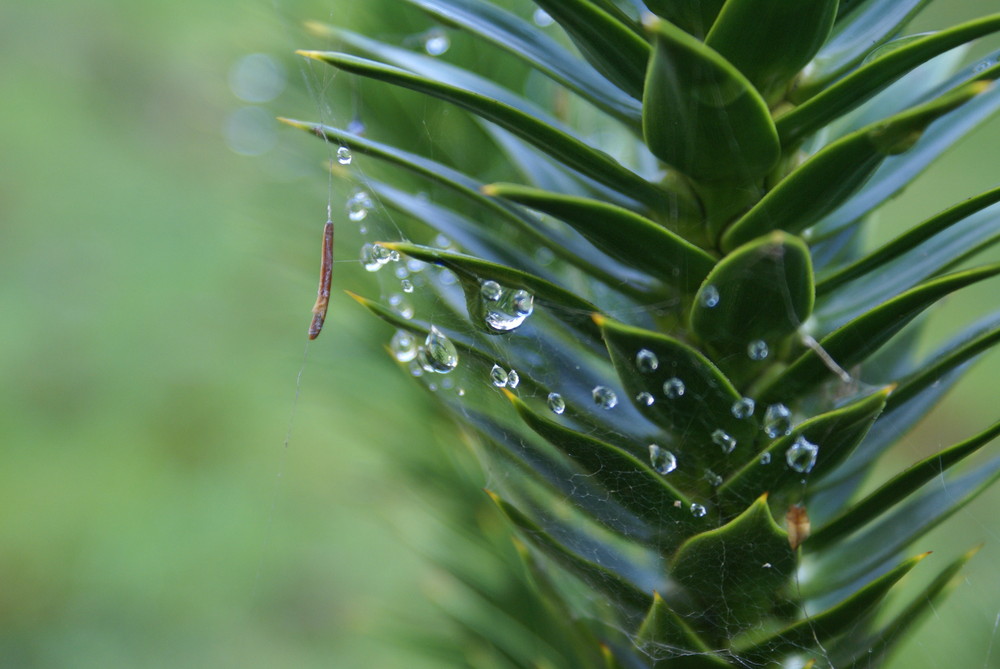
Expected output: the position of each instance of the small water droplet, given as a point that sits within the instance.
(460, 392)
(415, 368)
(344, 156)
(432, 387)
(406, 285)
(673, 388)
(801, 455)
(446, 277)
(438, 354)
(436, 42)
(542, 18)
(698, 511)
(645, 399)
(415, 265)
(524, 303)
(403, 346)
(491, 291)
(724, 440)
(743, 408)
(358, 205)
(765, 458)
(604, 397)
(544, 256)
(401, 271)
(982, 66)
(757, 350)
(646, 361)
(442, 242)
(556, 403)
(356, 127)
(513, 378)
(401, 306)
(498, 376)
(713, 479)
(709, 297)
(766, 565)
(777, 421)
(662, 460)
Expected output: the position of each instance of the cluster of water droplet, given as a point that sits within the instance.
(506, 309)
(375, 256)
(437, 354)
(757, 350)
(501, 378)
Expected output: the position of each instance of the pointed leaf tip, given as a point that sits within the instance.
(509, 395)
(599, 319)
(489, 190)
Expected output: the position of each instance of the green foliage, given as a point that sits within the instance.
(708, 352)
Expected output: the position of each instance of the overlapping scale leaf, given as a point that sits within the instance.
(701, 115)
(694, 16)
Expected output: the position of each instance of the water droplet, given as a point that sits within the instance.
(765, 458)
(438, 354)
(403, 346)
(743, 408)
(801, 455)
(344, 156)
(415, 368)
(542, 18)
(544, 256)
(757, 350)
(447, 278)
(646, 361)
(432, 387)
(645, 399)
(358, 205)
(513, 378)
(415, 265)
(394, 255)
(604, 397)
(713, 479)
(556, 403)
(460, 392)
(442, 242)
(673, 388)
(662, 460)
(406, 285)
(724, 441)
(368, 259)
(436, 42)
(509, 309)
(401, 306)
(491, 291)
(982, 66)
(777, 421)
(709, 296)
(698, 511)
(498, 376)
(356, 127)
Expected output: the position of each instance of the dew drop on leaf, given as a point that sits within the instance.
(757, 350)
(709, 297)
(645, 399)
(673, 388)
(436, 42)
(498, 376)
(646, 361)
(743, 408)
(724, 440)
(438, 354)
(556, 403)
(604, 397)
(777, 421)
(698, 511)
(801, 455)
(508, 309)
(403, 346)
(662, 460)
(513, 378)
(344, 156)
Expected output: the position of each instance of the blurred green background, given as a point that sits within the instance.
(155, 293)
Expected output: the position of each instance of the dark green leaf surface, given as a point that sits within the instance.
(620, 233)
(527, 42)
(663, 633)
(873, 77)
(855, 341)
(701, 115)
(836, 433)
(735, 570)
(566, 148)
(761, 291)
(838, 170)
(694, 16)
(609, 45)
(769, 41)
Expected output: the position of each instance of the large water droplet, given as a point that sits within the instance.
(673, 388)
(801, 455)
(724, 440)
(757, 350)
(713, 479)
(509, 309)
(709, 297)
(646, 361)
(662, 460)
(344, 156)
(491, 291)
(438, 354)
(436, 42)
(645, 399)
(604, 397)
(698, 510)
(743, 408)
(556, 403)
(403, 346)
(358, 205)
(777, 421)
(498, 376)
(513, 378)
